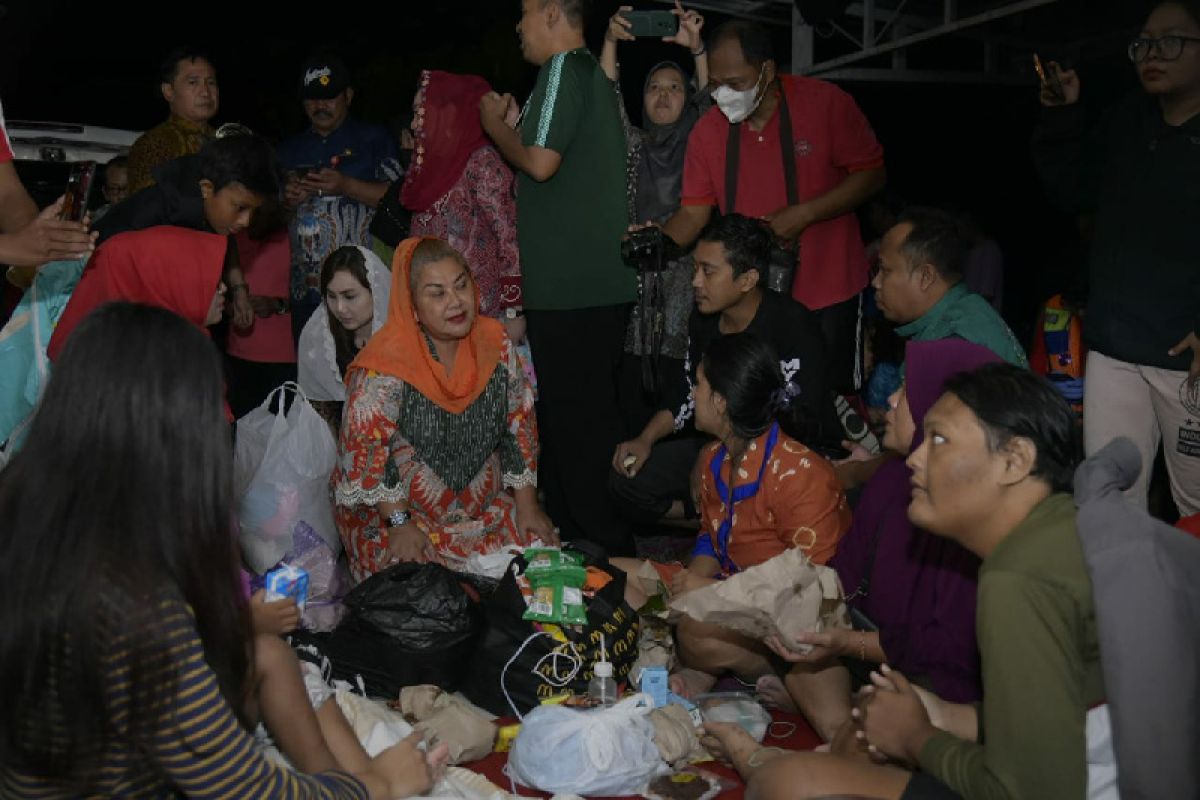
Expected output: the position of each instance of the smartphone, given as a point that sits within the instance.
(1049, 78)
(652, 23)
(79, 191)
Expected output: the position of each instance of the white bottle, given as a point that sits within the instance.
(603, 689)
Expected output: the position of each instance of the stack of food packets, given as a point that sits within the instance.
(556, 582)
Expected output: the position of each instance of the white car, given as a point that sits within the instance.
(43, 152)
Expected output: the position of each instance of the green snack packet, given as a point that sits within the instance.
(547, 559)
(572, 609)
(546, 603)
(557, 596)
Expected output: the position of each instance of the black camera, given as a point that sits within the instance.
(643, 250)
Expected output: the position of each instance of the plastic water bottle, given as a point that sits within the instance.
(603, 689)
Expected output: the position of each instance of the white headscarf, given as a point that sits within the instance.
(319, 376)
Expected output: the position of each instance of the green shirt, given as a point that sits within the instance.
(968, 316)
(570, 226)
(1036, 625)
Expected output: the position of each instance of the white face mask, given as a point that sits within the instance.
(737, 106)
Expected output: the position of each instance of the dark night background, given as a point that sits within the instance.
(958, 145)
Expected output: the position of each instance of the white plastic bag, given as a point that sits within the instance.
(608, 752)
(282, 464)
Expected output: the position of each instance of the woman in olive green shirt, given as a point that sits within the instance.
(998, 457)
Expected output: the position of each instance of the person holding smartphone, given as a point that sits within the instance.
(673, 102)
(29, 239)
(1137, 173)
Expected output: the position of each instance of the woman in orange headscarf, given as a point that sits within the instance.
(438, 451)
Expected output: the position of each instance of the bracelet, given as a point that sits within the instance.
(697, 53)
(862, 646)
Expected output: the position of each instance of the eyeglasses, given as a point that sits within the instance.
(1167, 48)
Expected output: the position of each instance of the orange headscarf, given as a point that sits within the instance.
(399, 348)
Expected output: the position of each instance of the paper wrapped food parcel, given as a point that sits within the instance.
(785, 596)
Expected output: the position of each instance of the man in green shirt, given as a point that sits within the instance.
(568, 148)
(919, 286)
(993, 474)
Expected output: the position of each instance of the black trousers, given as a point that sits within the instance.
(666, 477)
(251, 381)
(841, 330)
(577, 356)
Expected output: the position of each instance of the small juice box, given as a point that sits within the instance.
(654, 683)
(287, 581)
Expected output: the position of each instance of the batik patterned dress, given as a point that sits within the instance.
(453, 470)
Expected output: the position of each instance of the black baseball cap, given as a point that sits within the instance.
(323, 78)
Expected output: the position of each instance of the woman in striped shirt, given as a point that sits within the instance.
(125, 649)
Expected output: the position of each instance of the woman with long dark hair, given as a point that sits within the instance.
(355, 287)
(125, 643)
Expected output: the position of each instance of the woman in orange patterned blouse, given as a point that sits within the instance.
(438, 451)
(761, 493)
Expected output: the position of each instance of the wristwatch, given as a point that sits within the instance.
(398, 517)
(513, 312)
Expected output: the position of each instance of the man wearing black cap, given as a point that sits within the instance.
(337, 172)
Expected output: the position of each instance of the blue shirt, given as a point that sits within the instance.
(323, 224)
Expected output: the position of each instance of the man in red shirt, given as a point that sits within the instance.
(838, 166)
(29, 239)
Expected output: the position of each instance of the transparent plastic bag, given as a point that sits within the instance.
(282, 463)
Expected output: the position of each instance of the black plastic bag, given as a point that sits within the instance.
(410, 624)
(529, 679)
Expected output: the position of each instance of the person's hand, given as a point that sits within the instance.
(495, 110)
(241, 311)
(685, 581)
(894, 720)
(635, 449)
(618, 27)
(515, 328)
(47, 238)
(1069, 79)
(690, 24)
(264, 306)
(826, 646)
(789, 221)
(534, 522)
(411, 544)
(857, 452)
(404, 768)
(277, 617)
(294, 192)
(1190, 342)
(325, 182)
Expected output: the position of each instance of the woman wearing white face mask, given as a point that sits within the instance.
(806, 158)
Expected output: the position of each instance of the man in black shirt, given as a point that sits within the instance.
(651, 473)
(216, 191)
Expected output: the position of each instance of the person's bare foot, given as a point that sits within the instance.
(773, 694)
(688, 683)
(730, 743)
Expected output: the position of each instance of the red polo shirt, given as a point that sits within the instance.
(6, 153)
(831, 139)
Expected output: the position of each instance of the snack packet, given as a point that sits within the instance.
(557, 596)
(547, 559)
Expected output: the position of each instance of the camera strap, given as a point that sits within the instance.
(787, 150)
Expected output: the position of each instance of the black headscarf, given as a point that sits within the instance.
(664, 147)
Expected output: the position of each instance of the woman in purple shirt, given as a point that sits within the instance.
(912, 595)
